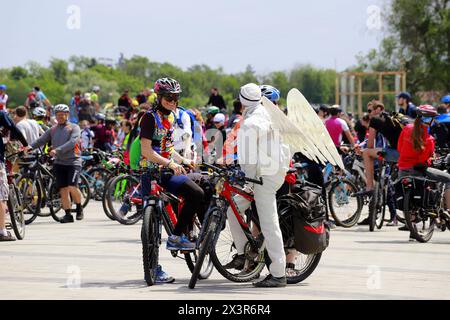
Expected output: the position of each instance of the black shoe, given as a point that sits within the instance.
(404, 228)
(237, 263)
(80, 215)
(365, 222)
(271, 282)
(67, 219)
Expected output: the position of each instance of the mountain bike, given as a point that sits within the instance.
(15, 204)
(159, 211)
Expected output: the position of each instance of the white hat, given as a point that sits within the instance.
(220, 118)
(250, 95)
(87, 96)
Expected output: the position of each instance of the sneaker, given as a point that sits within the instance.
(68, 218)
(365, 222)
(411, 238)
(404, 228)
(237, 263)
(163, 277)
(364, 193)
(271, 282)
(8, 238)
(180, 243)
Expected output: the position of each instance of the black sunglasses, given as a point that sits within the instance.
(171, 97)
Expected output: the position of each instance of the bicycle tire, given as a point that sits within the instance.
(105, 196)
(54, 203)
(129, 219)
(373, 208)
(240, 277)
(15, 209)
(307, 271)
(354, 218)
(30, 211)
(85, 191)
(150, 238)
(412, 226)
(205, 247)
(382, 211)
(191, 258)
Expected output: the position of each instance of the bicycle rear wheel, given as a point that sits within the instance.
(420, 224)
(381, 209)
(150, 238)
(15, 209)
(344, 206)
(105, 197)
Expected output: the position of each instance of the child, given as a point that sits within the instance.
(87, 136)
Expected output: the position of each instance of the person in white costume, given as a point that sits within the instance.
(261, 154)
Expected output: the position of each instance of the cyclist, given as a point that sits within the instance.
(406, 106)
(29, 128)
(257, 124)
(446, 101)
(40, 116)
(380, 121)
(3, 97)
(6, 122)
(64, 138)
(156, 133)
(212, 111)
(337, 127)
(416, 147)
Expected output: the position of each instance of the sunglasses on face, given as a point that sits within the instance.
(171, 97)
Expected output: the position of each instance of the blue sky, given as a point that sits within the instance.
(269, 35)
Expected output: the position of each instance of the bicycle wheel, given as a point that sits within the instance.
(224, 251)
(304, 265)
(31, 191)
(373, 207)
(97, 178)
(191, 258)
(419, 222)
(344, 206)
(381, 209)
(85, 191)
(105, 197)
(15, 208)
(206, 244)
(125, 201)
(55, 204)
(150, 238)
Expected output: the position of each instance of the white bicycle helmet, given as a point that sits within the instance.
(39, 112)
(62, 108)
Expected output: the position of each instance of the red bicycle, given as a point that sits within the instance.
(216, 240)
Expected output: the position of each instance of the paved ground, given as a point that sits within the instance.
(104, 258)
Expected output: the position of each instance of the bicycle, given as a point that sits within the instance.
(230, 183)
(386, 173)
(15, 204)
(159, 212)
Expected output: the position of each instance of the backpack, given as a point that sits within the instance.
(193, 122)
(307, 207)
(135, 148)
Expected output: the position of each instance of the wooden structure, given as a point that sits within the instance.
(349, 86)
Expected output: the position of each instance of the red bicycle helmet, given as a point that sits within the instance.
(427, 111)
(167, 86)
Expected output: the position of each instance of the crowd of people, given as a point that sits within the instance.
(175, 138)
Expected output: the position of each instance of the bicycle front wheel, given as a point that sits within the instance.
(31, 191)
(191, 258)
(150, 238)
(15, 209)
(124, 200)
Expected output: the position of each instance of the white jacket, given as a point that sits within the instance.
(261, 151)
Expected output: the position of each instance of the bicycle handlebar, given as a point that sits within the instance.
(230, 174)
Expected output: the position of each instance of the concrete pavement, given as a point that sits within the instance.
(100, 259)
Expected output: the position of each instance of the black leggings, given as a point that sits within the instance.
(193, 204)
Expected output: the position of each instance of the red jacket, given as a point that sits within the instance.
(409, 157)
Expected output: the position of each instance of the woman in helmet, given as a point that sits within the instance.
(416, 147)
(156, 133)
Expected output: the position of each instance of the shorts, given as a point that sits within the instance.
(4, 186)
(66, 176)
(392, 154)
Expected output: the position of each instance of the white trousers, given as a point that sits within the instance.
(266, 204)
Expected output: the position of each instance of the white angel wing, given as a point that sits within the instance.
(303, 115)
(291, 134)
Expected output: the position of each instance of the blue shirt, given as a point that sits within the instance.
(443, 118)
